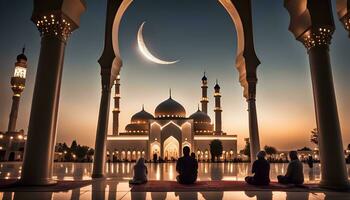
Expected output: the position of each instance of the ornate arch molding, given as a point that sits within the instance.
(110, 60)
(246, 62)
(246, 59)
(239, 11)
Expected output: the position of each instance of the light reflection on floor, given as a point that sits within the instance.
(91, 192)
(116, 186)
(165, 171)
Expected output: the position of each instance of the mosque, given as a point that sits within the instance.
(169, 130)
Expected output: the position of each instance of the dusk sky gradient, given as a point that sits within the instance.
(202, 36)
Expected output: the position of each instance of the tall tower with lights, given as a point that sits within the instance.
(217, 110)
(204, 100)
(17, 85)
(116, 109)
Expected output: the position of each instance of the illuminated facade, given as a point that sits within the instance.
(166, 132)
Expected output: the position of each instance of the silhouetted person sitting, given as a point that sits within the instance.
(140, 172)
(261, 171)
(294, 173)
(187, 167)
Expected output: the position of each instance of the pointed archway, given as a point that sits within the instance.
(111, 63)
(171, 148)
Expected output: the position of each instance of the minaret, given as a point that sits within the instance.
(17, 85)
(116, 109)
(217, 110)
(204, 100)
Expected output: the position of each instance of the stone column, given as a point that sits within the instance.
(55, 28)
(312, 24)
(333, 168)
(253, 121)
(110, 68)
(101, 133)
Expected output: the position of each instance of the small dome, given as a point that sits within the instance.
(204, 78)
(141, 117)
(22, 56)
(136, 128)
(200, 116)
(217, 87)
(170, 108)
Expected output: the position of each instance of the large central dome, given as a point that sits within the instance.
(170, 108)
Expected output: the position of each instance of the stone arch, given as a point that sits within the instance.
(240, 13)
(111, 62)
(154, 149)
(170, 130)
(246, 59)
(171, 148)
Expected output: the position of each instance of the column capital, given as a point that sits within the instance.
(54, 26)
(57, 18)
(316, 37)
(311, 21)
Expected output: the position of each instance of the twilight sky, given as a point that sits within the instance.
(201, 34)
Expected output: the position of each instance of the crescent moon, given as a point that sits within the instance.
(145, 52)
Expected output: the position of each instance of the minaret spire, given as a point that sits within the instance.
(217, 110)
(24, 48)
(116, 109)
(204, 100)
(143, 106)
(17, 85)
(170, 93)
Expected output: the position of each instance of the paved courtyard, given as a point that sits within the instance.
(116, 185)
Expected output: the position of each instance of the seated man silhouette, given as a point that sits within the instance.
(261, 171)
(187, 167)
(294, 173)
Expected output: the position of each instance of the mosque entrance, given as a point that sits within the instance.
(171, 148)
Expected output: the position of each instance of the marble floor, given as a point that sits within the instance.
(116, 185)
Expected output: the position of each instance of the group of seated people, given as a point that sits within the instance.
(261, 171)
(187, 167)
